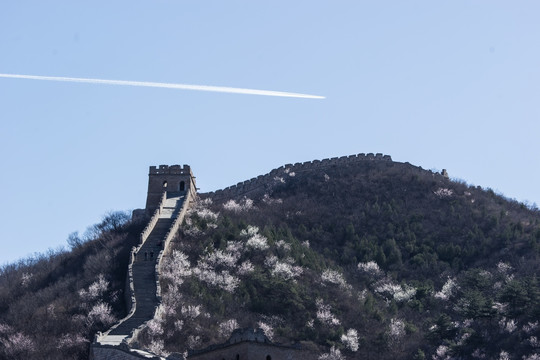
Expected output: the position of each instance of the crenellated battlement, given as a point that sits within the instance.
(170, 170)
(261, 182)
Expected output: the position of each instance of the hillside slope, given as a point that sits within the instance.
(51, 305)
(359, 260)
(373, 259)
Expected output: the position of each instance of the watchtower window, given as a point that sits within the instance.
(182, 186)
(165, 184)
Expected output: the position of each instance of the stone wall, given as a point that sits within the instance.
(254, 351)
(119, 353)
(251, 344)
(190, 198)
(123, 351)
(261, 182)
(130, 291)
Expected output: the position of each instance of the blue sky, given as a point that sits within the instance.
(450, 85)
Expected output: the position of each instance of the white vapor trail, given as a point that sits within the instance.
(166, 85)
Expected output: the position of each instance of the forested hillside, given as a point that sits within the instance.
(376, 260)
(371, 260)
(52, 304)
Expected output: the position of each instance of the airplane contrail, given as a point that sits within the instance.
(222, 89)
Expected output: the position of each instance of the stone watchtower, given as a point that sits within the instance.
(174, 179)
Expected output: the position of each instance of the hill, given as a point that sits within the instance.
(377, 259)
(366, 259)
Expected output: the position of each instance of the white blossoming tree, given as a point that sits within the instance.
(334, 354)
(227, 327)
(324, 314)
(335, 277)
(446, 290)
(350, 339)
(100, 313)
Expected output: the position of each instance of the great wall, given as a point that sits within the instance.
(171, 191)
(261, 182)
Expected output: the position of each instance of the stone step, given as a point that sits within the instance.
(144, 276)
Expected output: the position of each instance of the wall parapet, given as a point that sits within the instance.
(261, 182)
(134, 250)
(179, 218)
(170, 170)
(153, 221)
(189, 198)
(121, 352)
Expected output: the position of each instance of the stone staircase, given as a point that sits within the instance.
(144, 273)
